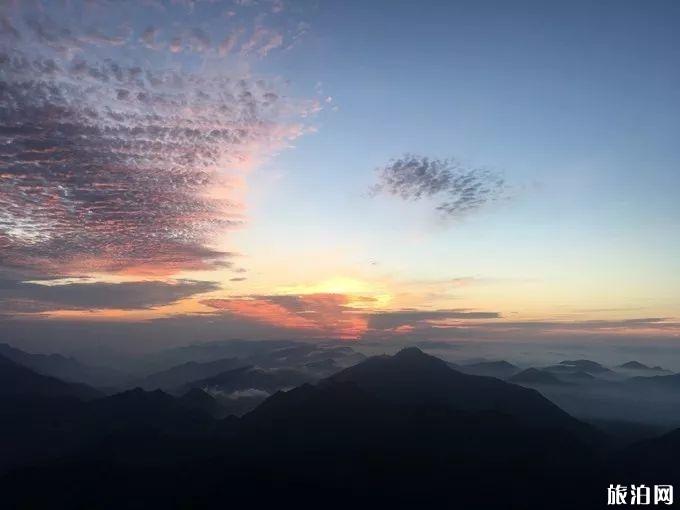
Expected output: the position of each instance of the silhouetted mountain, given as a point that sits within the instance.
(19, 381)
(412, 416)
(392, 430)
(412, 376)
(500, 369)
(139, 409)
(180, 375)
(196, 398)
(585, 365)
(63, 367)
(535, 376)
(651, 461)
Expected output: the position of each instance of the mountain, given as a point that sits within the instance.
(200, 400)
(264, 354)
(180, 375)
(17, 381)
(637, 368)
(323, 367)
(423, 430)
(661, 382)
(62, 367)
(634, 365)
(579, 376)
(500, 369)
(652, 460)
(535, 376)
(411, 377)
(591, 367)
(242, 389)
(138, 409)
(213, 351)
(244, 379)
(36, 413)
(390, 431)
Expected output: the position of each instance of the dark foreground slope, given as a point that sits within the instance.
(391, 431)
(17, 381)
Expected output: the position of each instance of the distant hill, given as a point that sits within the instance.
(663, 382)
(264, 353)
(323, 367)
(63, 367)
(634, 365)
(242, 389)
(180, 375)
(19, 381)
(250, 378)
(585, 365)
(578, 376)
(535, 376)
(637, 368)
(500, 369)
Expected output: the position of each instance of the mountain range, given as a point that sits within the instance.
(406, 429)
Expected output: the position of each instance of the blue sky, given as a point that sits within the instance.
(576, 104)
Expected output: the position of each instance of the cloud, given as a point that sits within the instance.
(80, 26)
(229, 42)
(148, 37)
(100, 340)
(389, 320)
(456, 188)
(108, 165)
(262, 41)
(8, 29)
(31, 297)
(337, 315)
(665, 323)
(235, 395)
(642, 329)
(199, 40)
(328, 315)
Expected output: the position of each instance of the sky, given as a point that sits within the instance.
(385, 171)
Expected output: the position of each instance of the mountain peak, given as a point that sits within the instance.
(534, 376)
(585, 364)
(636, 365)
(412, 358)
(410, 352)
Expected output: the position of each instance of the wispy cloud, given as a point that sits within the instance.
(318, 314)
(337, 315)
(19, 296)
(456, 189)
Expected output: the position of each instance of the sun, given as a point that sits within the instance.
(361, 294)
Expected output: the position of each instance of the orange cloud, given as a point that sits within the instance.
(320, 314)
